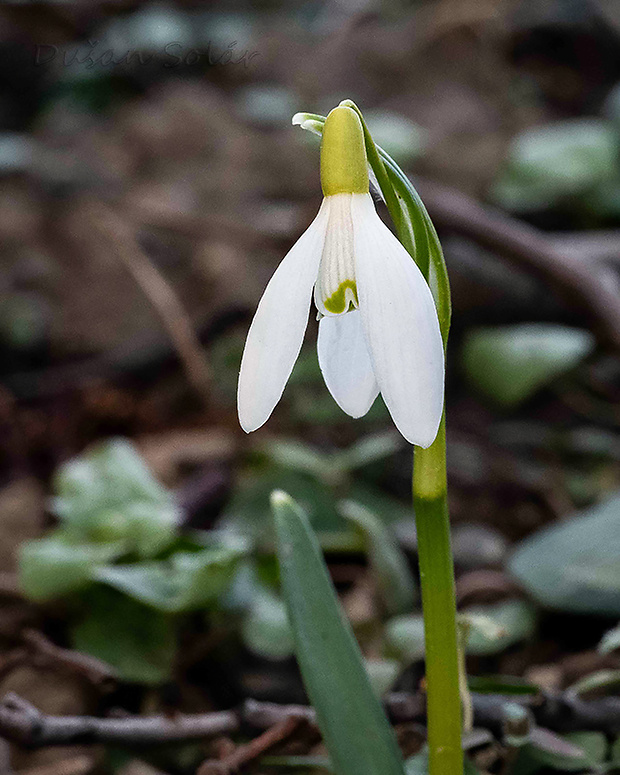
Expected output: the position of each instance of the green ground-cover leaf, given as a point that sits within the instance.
(575, 752)
(398, 135)
(501, 684)
(404, 637)
(185, 581)
(52, 567)
(565, 158)
(610, 641)
(418, 764)
(266, 629)
(108, 494)
(510, 363)
(135, 639)
(512, 621)
(575, 565)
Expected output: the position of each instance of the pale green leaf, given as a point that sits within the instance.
(50, 568)
(510, 363)
(266, 630)
(108, 494)
(404, 636)
(610, 641)
(572, 565)
(138, 641)
(575, 752)
(186, 581)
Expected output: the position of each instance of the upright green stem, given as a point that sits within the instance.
(416, 232)
(438, 602)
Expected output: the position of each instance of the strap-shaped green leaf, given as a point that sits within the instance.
(356, 731)
(388, 561)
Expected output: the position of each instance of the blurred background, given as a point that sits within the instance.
(150, 183)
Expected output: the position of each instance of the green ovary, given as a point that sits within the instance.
(336, 303)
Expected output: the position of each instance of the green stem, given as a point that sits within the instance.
(438, 603)
(416, 232)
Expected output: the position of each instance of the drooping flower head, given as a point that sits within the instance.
(378, 326)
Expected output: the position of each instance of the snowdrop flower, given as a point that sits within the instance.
(378, 329)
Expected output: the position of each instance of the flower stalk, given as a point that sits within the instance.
(380, 330)
(430, 495)
(439, 607)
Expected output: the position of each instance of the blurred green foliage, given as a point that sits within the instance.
(119, 554)
(508, 364)
(566, 160)
(575, 566)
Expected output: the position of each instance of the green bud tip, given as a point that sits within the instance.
(344, 168)
(280, 498)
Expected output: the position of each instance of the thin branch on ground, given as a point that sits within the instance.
(559, 713)
(595, 289)
(22, 723)
(76, 765)
(93, 670)
(245, 754)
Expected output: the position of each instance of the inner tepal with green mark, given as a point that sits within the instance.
(341, 301)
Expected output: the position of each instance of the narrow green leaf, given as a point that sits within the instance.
(368, 450)
(501, 684)
(357, 734)
(610, 641)
(601, 679)
(388, 562)
(300, 456)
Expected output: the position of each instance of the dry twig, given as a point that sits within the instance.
(94, 670)
(76, 765)
(22, 723)
(245, 754)
(595, 289)
(119, 238)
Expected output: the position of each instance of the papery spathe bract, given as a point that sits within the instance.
(378, 329)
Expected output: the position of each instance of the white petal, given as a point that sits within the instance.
(334, 291)
(345, 363)
(277, 331)
(401, 326)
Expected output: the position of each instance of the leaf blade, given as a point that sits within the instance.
(356, 732)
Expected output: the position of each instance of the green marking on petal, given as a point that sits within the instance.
(337, 302)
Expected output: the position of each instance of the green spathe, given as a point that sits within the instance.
(344, 168)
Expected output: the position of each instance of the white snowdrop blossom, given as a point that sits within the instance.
(378, 329)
